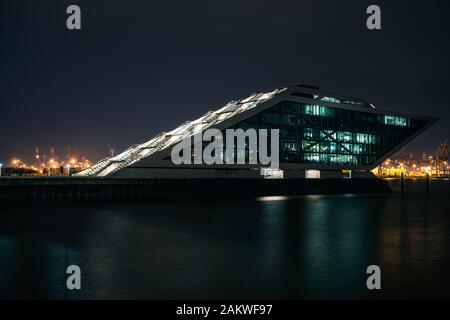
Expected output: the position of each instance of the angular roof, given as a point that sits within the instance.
(166, 139)
(233, 112)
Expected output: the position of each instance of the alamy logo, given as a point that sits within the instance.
(73, 21)
(74, 279)
(250, 144)
(374, 20)
(374, 280)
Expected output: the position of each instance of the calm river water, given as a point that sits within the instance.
(306, 247)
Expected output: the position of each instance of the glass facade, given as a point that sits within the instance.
(325, 135)
(310, 132)
(395, 121)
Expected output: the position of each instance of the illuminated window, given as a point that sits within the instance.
(344, 136)
(308, 133)
(312, 157)
(328, 135)
(389, 120)
(346, 148)
(395, 121)
(343, 159)
(401, 121)
(347, 174)
(331, 99)
(317, 110)
(310, 146)
(328, 147)
(312, 109)
(365, 138)
(355, 103)
(362, 138)
(270, 173)
(312, 174)
(325, 158)
(290, 146)
(357, 148)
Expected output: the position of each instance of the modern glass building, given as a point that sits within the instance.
(321, 135)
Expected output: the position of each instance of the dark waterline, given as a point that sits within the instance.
(300, 247)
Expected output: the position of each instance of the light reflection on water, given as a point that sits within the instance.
(299, 247)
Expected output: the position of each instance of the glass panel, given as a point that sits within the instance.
(331, 99)
(316, 110)
(344, 136)
(357, 148)
(308, 133)
(395, 120)
(328, 135)
(312, 157)
(310, 146)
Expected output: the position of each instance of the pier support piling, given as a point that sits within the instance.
(402, 183)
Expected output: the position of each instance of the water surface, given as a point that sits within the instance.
(308, 247)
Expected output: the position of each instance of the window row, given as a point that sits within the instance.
(395, 121)
(330, 158)
(329, 147)
(341, 136)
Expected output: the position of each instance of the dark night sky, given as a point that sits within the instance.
(139, 67)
